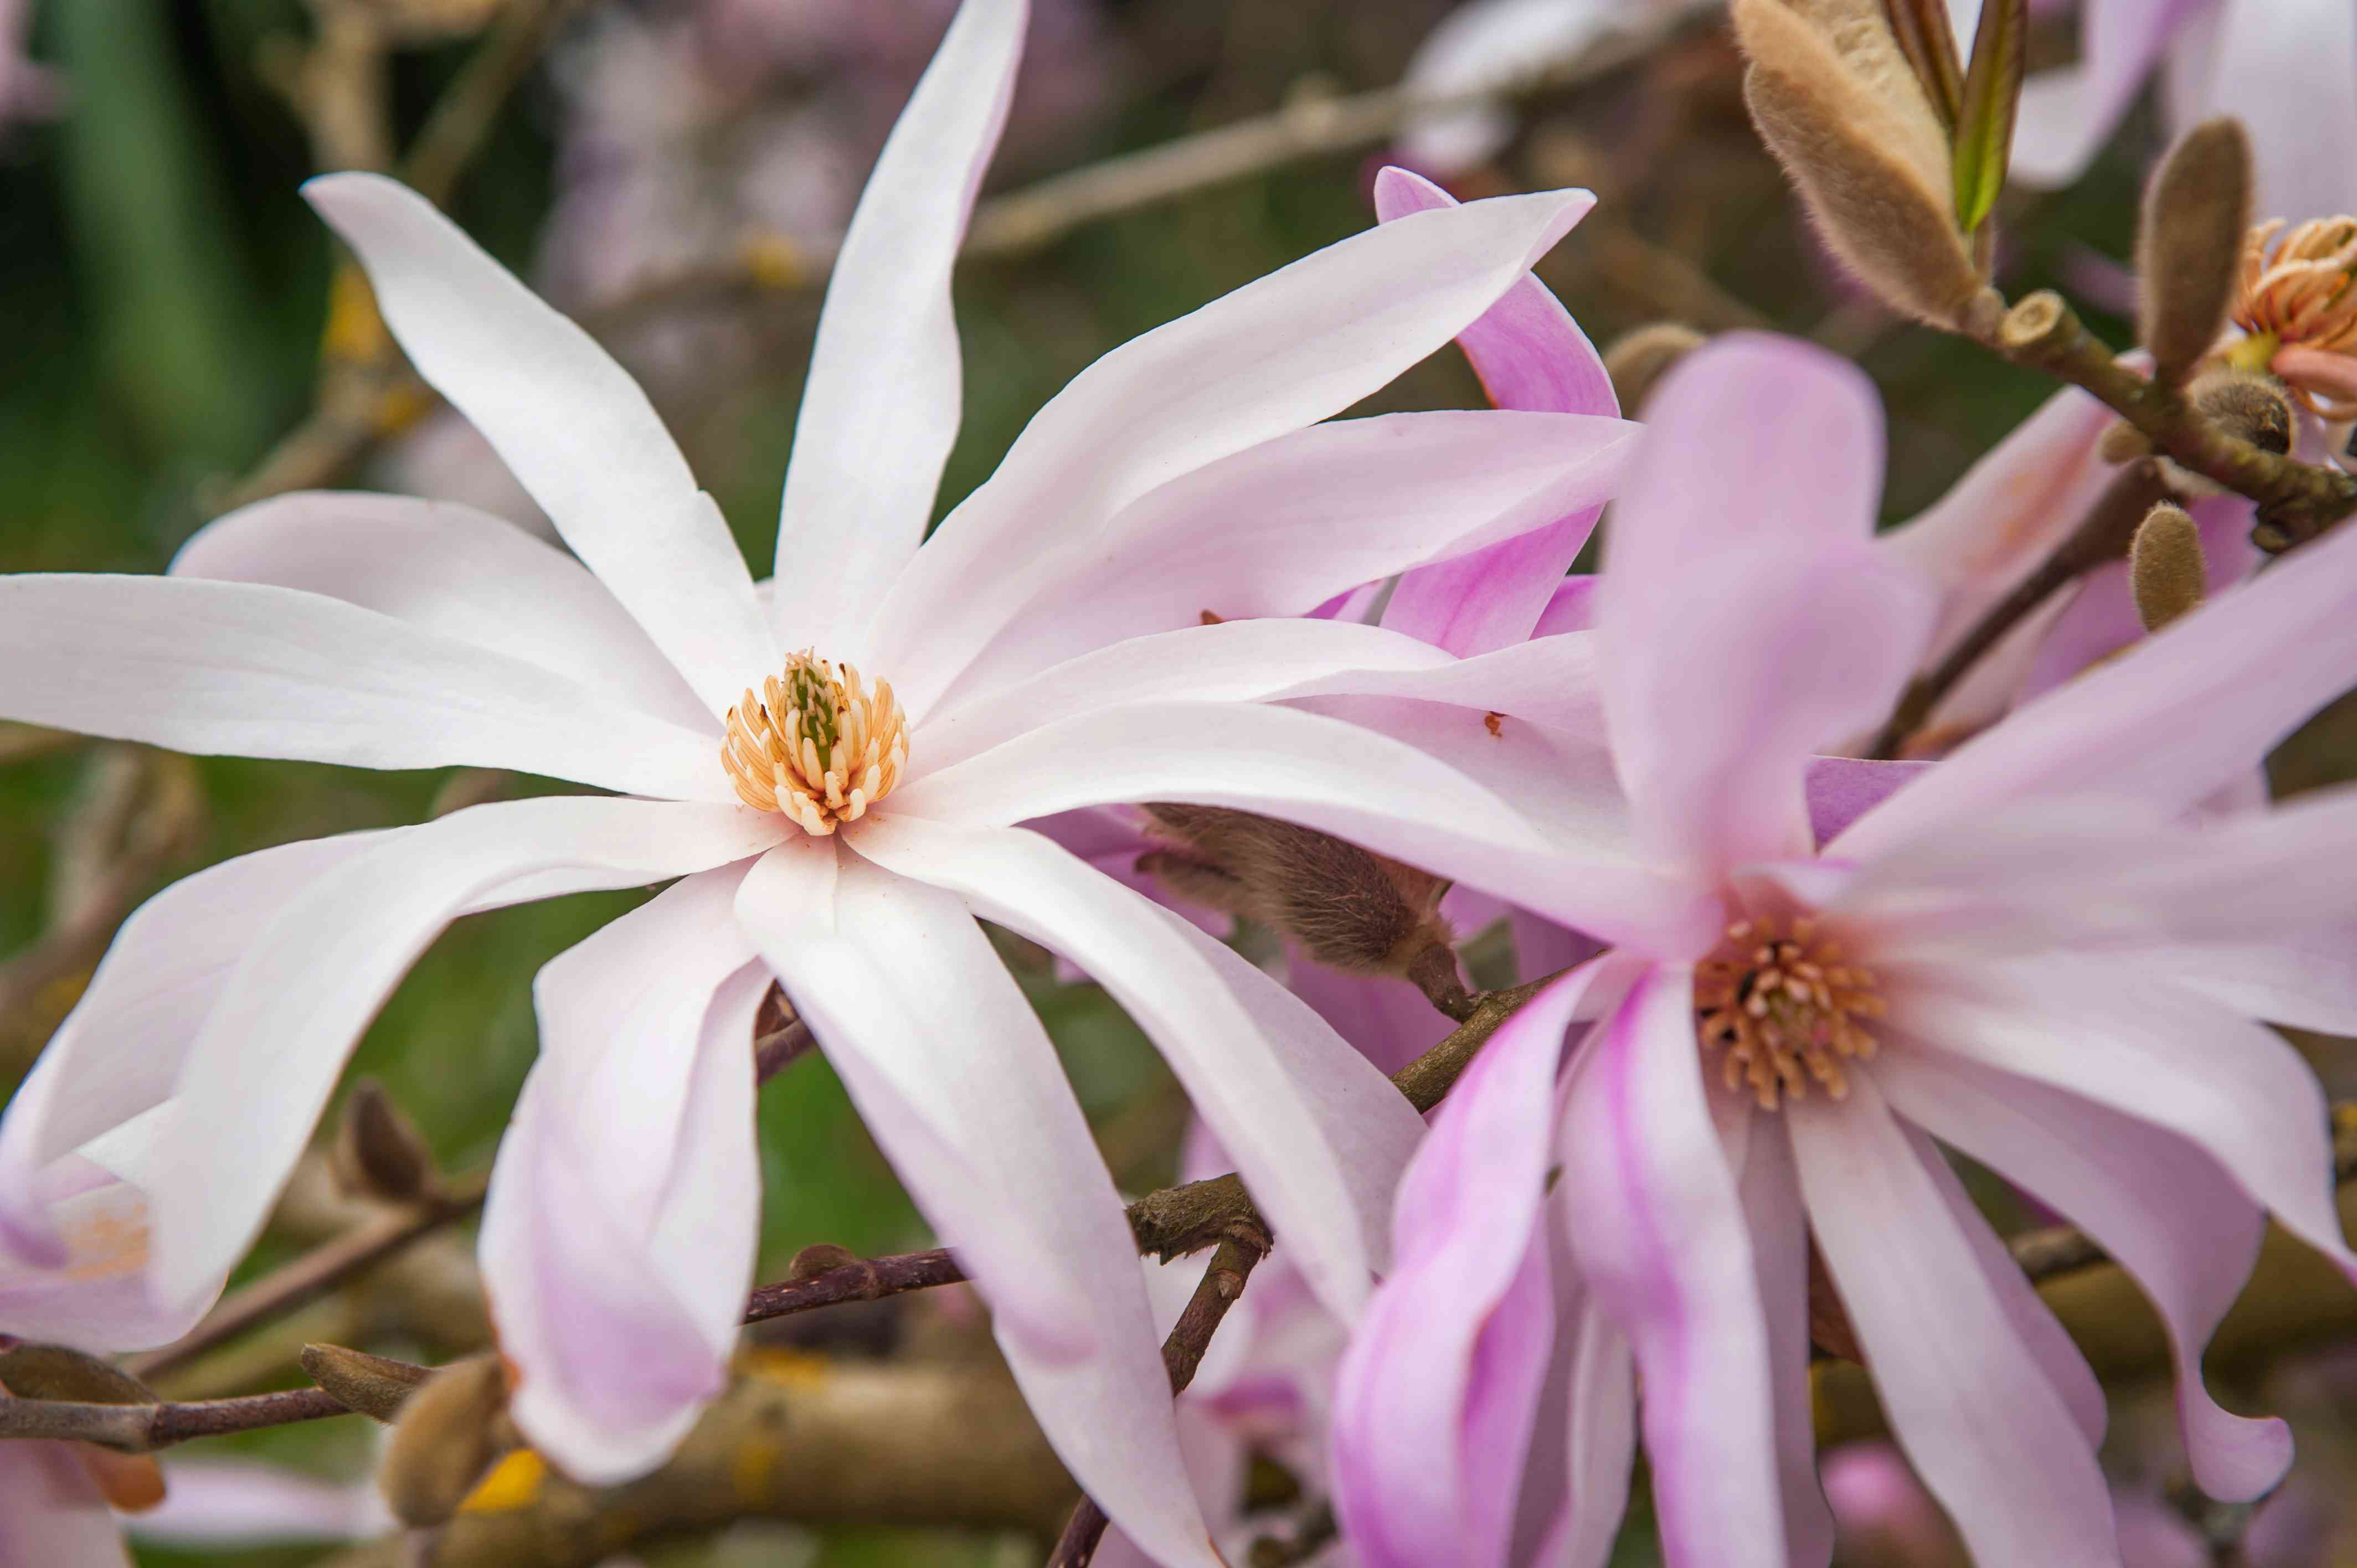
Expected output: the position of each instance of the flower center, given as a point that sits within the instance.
(1784, 1008)
(2295, 291)
(817, 743)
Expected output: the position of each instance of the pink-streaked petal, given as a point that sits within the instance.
(1968, 1402)
(617, 1239)
(2170, 722)
(2066, 115)
(1327, 1201)
(1547, 680)
(1529, 354)
(1657, 1223)
(954, 1076)
(217, 1504)
(880, 409)
(2234, 1089)
(1297, 346)
(1282, 528)
(453, 571)
(569, 422)
(2284, 69)
(266, 1059)
(250, 669)
(1319, 772)
(1466, 1309)
(1598, 1448)
(2162, 1208)
(1571, 607)
(1760, 1152)
(51, 1515)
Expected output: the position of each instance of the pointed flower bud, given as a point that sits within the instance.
(2189, 245)
(379, 1152)
(2166, 567)
(1838, 103)
(450, 1431)
(372, 1385)
(54, 1372)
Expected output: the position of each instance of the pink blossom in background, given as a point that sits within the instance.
(51, 1512)
(1032, 672)
(28, 91)
(2046, 881)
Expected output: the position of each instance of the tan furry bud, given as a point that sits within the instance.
(2122, 443)
(1838, 102)
(2190, 237)
(54, 1372)
(2247, 405)
(1637, 359)
(2166, 567)
(820, 1258)
(1351, 910)
(379, 1152)
(451, 1430)
(375, 1387)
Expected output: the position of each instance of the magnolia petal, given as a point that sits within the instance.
(1481, 44)
(1977, 1416)
(244, 1503)
(1600, 1439)
(619, 1235)
(51, 1513)
(952, 1073)
(880, 409)
(2066, 115)
(1529, 354)
(2283, 68)
(267, 1057)
(250, 669)
(570, 423)
(1284, 527)
(2159, 1206)
(1151, 962)
(1760, 1152)
(454, 571)
(1656, 1221)
(1293, 347)
(1385, 1019)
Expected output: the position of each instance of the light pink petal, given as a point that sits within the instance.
(1486, 42)
(1760, 1151)
(248, 669)
(1317, 771)
(1600, 1438)
(1283, 527)
(2287, 70)
(1529, 354)
(1386, 1020)
(213, 1504)
(952, 1073)
(1744, 621)
(1843, 788)
(880, 406)
(2234, 1089)
(2168, 722)
(1547, 680)
(1464, 1317)
(51, 1515)
(2158, 1204)
(1571, 607)
(1543, 948)
(569, 422)
(617, 1241)
(453, 571)
(1967, 1399)
(1237, 1062)
(2066, 115)
(1657, 1223)
(267, 1057)
(1296, 346)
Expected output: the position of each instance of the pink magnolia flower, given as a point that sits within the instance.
(2025, 954)
(2287, 69)
(832, 831)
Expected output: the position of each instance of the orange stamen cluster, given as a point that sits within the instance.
(2299, 289)
(1784, 1008)
(817, 744)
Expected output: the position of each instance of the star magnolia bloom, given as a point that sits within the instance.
(2287, 69)
(837, 829)
(2023, 952)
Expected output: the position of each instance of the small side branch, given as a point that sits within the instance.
(142, 1428)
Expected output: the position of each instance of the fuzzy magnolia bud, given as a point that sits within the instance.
(1640, 358)
(2189, 245)
(379, 1152)
(2249, 406)
(2122, 443)
(2166, 567)
(371, 1385)
(1351, 910)
(451, 1430)
(1838, 103)
(54, 1372)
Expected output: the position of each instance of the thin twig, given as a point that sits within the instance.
(867, 1279)
(315, 1273)
(142, 1428)
(1182, 1353)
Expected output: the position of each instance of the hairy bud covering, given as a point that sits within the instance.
(1637, 359)
(371, 1385)
(450, 1431)
(2165, 566)
(379, 1152)
(2189, 245)
(2250, 407)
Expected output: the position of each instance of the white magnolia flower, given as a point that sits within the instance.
(836, 773)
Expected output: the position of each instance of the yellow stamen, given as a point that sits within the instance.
(817, 744)
(1785, 1006)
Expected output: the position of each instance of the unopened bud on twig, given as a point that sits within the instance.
(2250, 407)
(1838, 103)
(2122, 443)
(54, 1372)
(379, 1152)
(450, 1431)
(371, 1385)
(1637, 360)
(2166, 567)
(2189, 245)
(1351, 910)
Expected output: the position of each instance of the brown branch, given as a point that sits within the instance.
(2297, 500)
(865, 1279)
(1182, 1354)
(141, 1428)
(315, 1273)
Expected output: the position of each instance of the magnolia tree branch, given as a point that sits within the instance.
(141, 1428)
